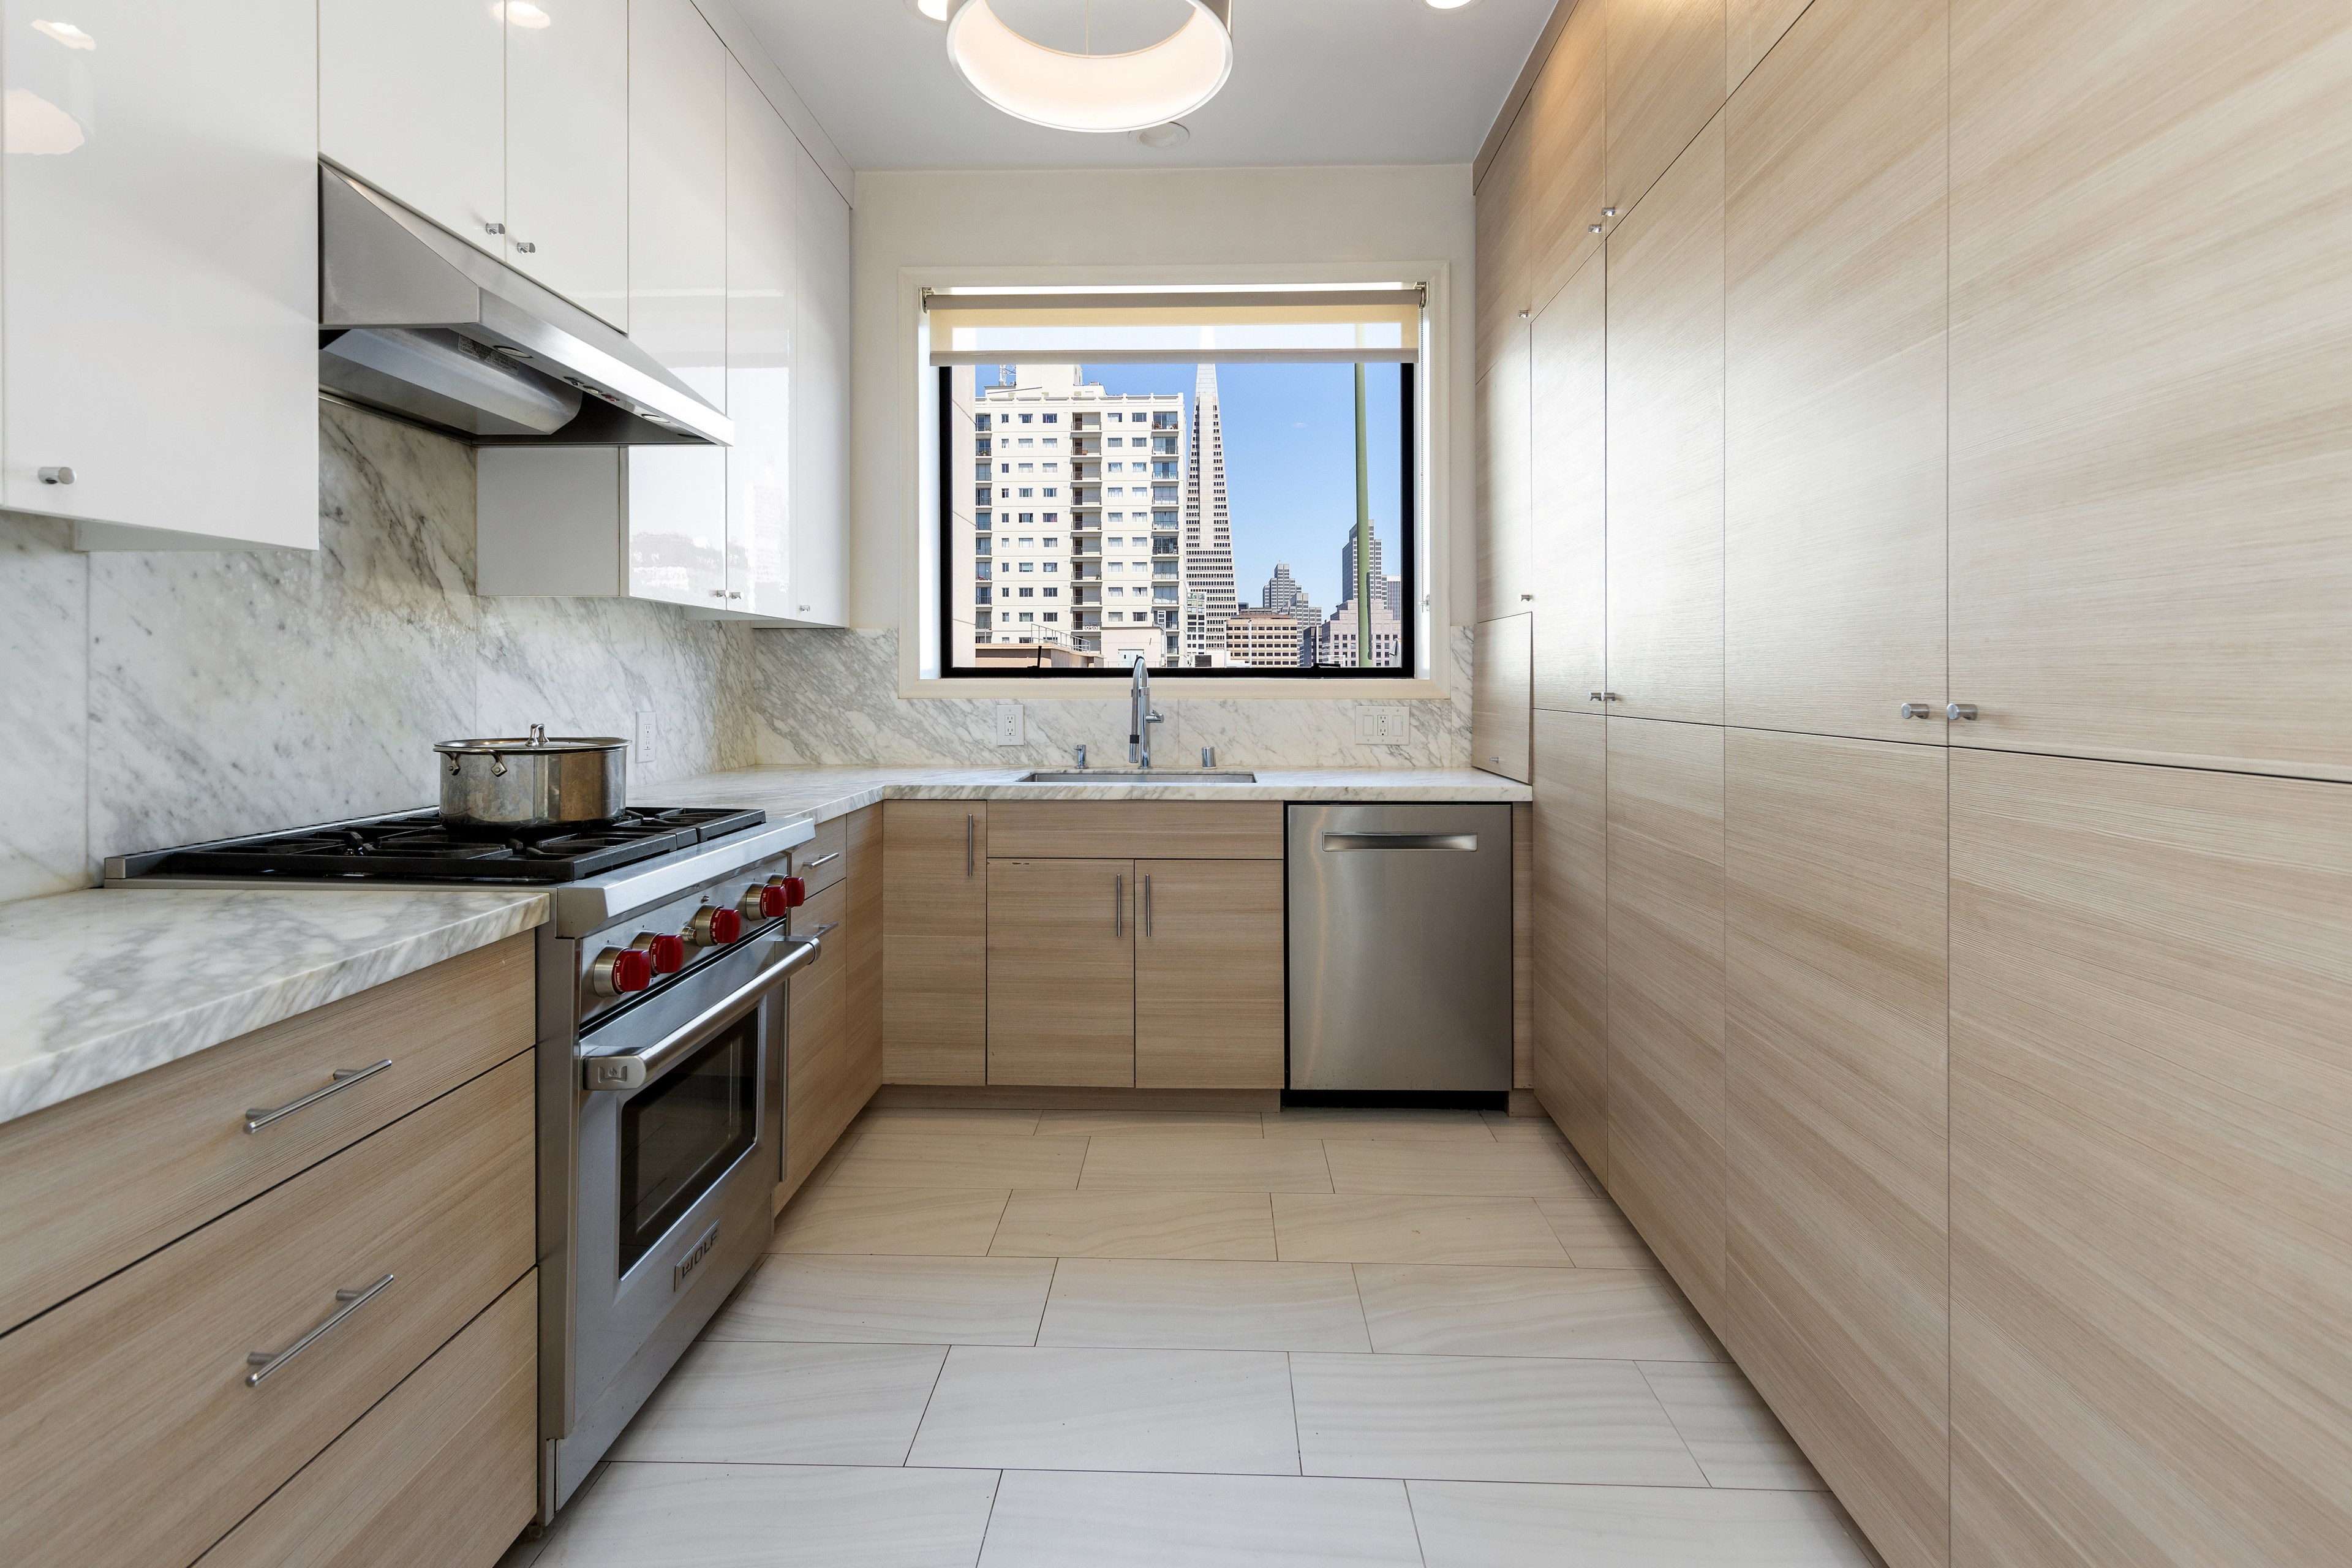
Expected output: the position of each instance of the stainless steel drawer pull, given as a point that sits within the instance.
(1146, 906)
(263, 1362)
(969, 825)
(1334, 843)
(1918, 710)
(1118, 906)
(259, 1116)
(820, 860)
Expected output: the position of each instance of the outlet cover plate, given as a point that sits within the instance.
(648, 738)
(1383, 724)
(1009, 727)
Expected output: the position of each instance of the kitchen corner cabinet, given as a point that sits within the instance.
(161, 273)
(935, 941)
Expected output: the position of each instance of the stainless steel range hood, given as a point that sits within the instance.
(416, 321)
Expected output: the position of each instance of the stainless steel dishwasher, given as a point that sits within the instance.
(1399, 928)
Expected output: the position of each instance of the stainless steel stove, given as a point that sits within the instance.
(663, 981)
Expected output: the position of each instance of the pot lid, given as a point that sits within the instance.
(539, 740)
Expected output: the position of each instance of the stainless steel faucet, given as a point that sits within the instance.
(1140, 718)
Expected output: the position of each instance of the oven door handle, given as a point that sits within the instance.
(635, 1070)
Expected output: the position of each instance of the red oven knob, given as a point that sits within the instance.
(781, 894)
(668, 951)
(621, 969)
(715, 927)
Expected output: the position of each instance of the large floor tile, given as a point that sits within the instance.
(1458, 1167)
(1619, 1315)
(1000, 1120)
(758, 1401)
(1384, 1227)
(1595, 1233)
(895, 1300)
(1136, 1223)
(1216, 1411)
(1507, 1128)
(896, 1157)
(1163, 1123)
(1487, 1419)
(1321, 1121)
(1208, 1164)
(1731, 1431)
(1072, 1519)
(774, 1516)
(1205, 1306)
(931, 1222)
(1471, 1526)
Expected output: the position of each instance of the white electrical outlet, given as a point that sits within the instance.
(1383, 724)
(648, 747)
(1009, 731)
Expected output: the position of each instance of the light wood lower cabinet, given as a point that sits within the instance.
(1061, 973)
(862, 999)
(1836, 1242)
(935, 941)
(1208, 1003)
(1666, 994)
(820, 1091)
(442, 1471)
(1571, 929)
(2151, 1197)
(1136, 830)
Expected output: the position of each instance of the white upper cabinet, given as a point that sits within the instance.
(161, 268)
(678, 194)
(411, 99)
(567, 149)
(762, 190)
(821, 415)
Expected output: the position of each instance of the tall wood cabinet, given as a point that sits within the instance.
(1570, 917)
(1568, 403)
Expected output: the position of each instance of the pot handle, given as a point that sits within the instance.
(451, 758)
(497, 764)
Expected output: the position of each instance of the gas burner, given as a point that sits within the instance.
(416, 847)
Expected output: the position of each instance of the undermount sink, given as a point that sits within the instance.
(1140, 777)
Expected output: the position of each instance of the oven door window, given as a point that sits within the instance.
(686, 1130)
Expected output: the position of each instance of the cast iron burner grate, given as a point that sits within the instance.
(416, 847)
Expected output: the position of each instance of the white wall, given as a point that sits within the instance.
(1190, 220)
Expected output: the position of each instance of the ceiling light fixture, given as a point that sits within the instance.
(1450, 4)
(1110, 93)
(930, 10)
(1173, 134)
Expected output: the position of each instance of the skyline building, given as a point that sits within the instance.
(1268, 638)
(1208, 519)
(1384, 586)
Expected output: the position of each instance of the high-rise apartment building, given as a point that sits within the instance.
(1073, 553)
(1208, 519)
(1268, 638)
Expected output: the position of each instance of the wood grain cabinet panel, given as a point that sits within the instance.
(1571, 929)
(443, 1470)
(1751, 29)
(1499, 682)
(1504, 573)
(2151, 1195)
(862, 1000)
(2152, 395)
(824, 860)
(130, 1435)
(1132, 829)
(1061, 973)
(1834, 412)
(1568, 467)
(1209, 1000)
(1666, 81)
(1665, 871)
(1566, 123)
(1838, 1296)
(821, 1089)
(1502, 226)
(79, 1209)
(935, 941)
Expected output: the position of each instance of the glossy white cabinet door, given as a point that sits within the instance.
(161, 269)
(411, 99)
(677, 192)
(821, 422)
(761, 260)
(567, 139)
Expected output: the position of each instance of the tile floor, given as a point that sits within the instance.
(1002, 1338)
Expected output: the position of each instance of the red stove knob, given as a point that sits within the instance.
(715, 927)
(621, 969)
(781, 894)
(668, 951)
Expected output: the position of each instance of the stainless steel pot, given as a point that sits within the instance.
(532, 785)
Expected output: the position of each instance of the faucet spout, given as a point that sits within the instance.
(1140, 717)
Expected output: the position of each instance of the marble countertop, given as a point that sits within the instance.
(822, 793)
(107, 982)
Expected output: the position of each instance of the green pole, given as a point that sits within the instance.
(1363, 533)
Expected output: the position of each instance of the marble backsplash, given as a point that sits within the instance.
(160, 699)
(831, 697)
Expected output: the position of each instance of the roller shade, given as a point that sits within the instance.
(1348, 325)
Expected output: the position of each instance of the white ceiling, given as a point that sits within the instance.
(1314, 81)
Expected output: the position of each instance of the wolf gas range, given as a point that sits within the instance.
(663, 974)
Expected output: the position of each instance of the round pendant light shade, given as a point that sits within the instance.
(1112, 94)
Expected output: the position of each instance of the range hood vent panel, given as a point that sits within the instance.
(419, 322)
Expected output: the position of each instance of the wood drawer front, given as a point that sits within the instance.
(817, 1103)
(821, 861)
(1135, 830)
(80, 1206)
(443, 1470)
(130, 1435)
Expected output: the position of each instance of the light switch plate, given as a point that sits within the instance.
(1008, 728)
(1383, 724)
(648, 747)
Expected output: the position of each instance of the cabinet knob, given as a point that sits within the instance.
(1918, 711)
(58, 475)
(1960, 710)
(1606, 697)
(717, 593)
(525, 248)
(493, 228)
(1593, 228)
(805, 609)
(733, 595)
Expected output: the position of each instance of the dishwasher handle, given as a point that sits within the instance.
(1338, 843)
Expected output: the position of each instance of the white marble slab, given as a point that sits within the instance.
(43, 707)
(103, 983)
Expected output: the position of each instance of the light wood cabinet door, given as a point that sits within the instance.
(935, 941)
(1060, 972)
(1138, 829)
(1666, 445)
(820, 1090)
(1499, 654)
(1665, 995)
(1571, 929)
(1751, 29)
(2151, 1201)
(863, 971)
(1666, 81)
(1503, 541)
(1209, 1004)
(567, 146)
(1836, 1280)
(1834, 412)
(1565, 123)
(411, 99)
(2152, 396)
(1569, 469)
(1505, 279)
